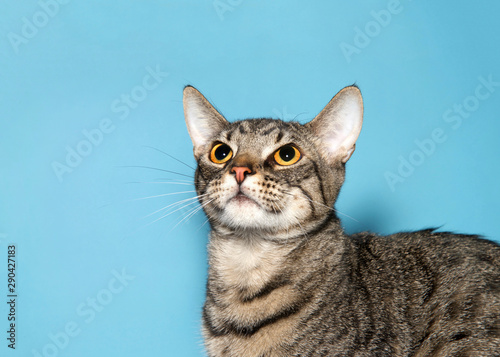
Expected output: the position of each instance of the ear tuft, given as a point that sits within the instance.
(338, 125)
(202, 119)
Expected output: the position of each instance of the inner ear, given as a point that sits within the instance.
(203, 121)
(339, 123)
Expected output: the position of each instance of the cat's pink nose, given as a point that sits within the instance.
(240, 172)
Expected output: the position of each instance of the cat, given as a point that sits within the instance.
(285, 280)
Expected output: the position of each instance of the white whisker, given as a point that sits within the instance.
(157, 169)
(170, 156)
(162, 195)
(323, 205)
(174, 180)
(203, 224)
(187, 183)
(192, 213)
(172, 212)
(175, 204)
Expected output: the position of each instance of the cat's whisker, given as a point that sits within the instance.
(148, 197)
(188, 215)
(206, 220)
(192, 212)
(170, 213)
(287, 227)
(161, 195)
(187, 183)
(337, 211)
(175, 204)
(195, 201)
(172, 157)
(295, 117)
(157, 169)
(295, 220)
(304, 233)
(323, 205)
(174, 180)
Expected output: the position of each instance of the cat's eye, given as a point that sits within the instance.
(287, 155)
(221, 153)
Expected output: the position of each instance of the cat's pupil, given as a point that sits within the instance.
(221, 152)
(287, 153)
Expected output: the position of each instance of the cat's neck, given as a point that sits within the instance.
(252, 280)
(246, 264)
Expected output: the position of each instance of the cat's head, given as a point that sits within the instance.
(268, 176)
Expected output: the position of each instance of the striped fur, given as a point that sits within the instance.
(285, 280)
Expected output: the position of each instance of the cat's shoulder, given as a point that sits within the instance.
(428, 244)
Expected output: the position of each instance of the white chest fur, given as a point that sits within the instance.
(246, 263)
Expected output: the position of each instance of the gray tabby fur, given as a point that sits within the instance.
(285, 280)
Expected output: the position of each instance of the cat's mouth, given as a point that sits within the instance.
(241, 198)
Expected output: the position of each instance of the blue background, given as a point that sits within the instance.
(67, 67)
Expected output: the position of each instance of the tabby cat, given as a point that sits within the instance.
(285, 280)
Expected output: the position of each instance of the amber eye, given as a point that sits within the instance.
(287, 155)
(221, 153)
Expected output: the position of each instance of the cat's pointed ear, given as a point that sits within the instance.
(338, 125)
(202, 119)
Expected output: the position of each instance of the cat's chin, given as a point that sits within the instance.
(242, 199)
(242, 208)
(245, 213)
(242, 211)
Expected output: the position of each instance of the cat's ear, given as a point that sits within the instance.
(338, 125)
(202, 119)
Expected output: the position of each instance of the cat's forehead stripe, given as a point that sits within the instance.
(268, 131)
(279, 137)
(272, 130)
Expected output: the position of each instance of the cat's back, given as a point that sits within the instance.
(444, 255)
(441, 290)
(438, 250)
